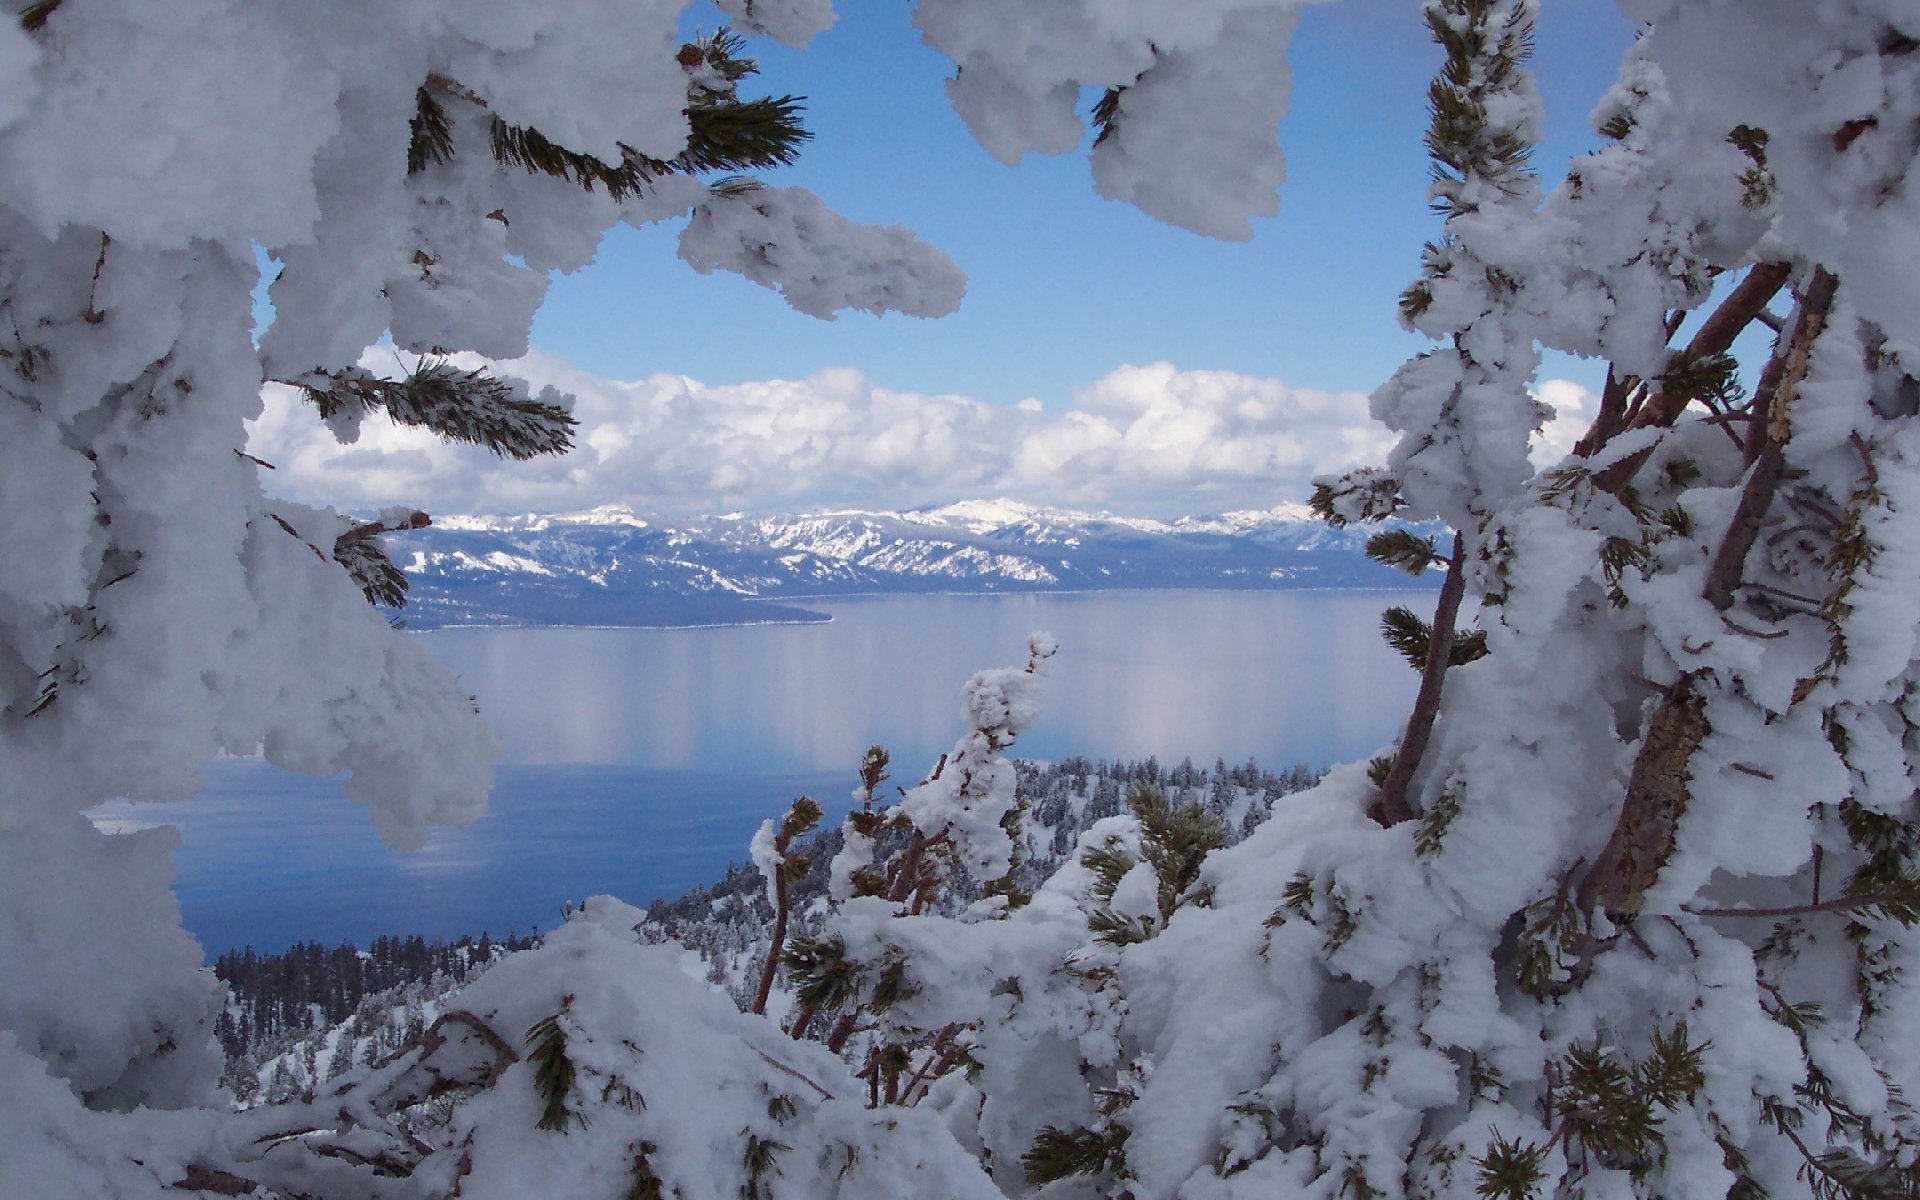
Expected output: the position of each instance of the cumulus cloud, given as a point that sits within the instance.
(1145, 439)
(1574, 408)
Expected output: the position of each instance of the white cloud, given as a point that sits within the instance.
(1574, 408)
(1145, 439)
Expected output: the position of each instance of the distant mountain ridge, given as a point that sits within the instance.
(609, 566)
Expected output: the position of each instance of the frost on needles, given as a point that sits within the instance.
(1626, 912)
(413, 171)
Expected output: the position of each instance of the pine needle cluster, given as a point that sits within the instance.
(1365, 494)
(1173, 842)
(1403, 550)
(1612, 1107)
(470, 406)
(1403, 630)
(1610, 1112)
(553, 1074)
(368, 565)
(823, 976)
(725, 132)
(1486, 42)
(1062, 1153)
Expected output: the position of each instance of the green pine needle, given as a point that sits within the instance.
(432, 133)
(823, 977)
(1062, 1153)
(1106, 114)
(1378, 769)
(1431, 833)
(1511, 1170)
(1111, 928)
(1711, 378)
(891, 985)
(725, 133)
(760, 1160)
(367, 563)
(741, 135)
(1366, 494)
(1174, 842)
(1484, 58)
(1617, 126)
(1408, 634)
(553, 1074)
(1402, 549)
(1109, 864)
(461, 406)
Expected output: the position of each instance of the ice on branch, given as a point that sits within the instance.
(471, 405)
(593, 1066)
(411, 169)
(790, 22)
(1191, 141)
(968, 797)
(1839, 106)
(1192, 95)
(819, 261)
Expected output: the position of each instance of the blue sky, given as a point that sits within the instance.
(1065, 286)
(1100, 360)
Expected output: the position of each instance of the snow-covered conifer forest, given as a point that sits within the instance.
(1627, 913)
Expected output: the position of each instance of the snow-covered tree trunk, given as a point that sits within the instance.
(413, 170)
(1640, 923)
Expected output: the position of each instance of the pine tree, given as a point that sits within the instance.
(1637, 921)
(413, 171)
(474, 405)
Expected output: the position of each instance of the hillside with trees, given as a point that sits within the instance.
(1628, 912)
(297, 1019)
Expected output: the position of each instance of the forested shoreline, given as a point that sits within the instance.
(297, 1017)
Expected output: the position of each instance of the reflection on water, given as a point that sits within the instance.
(1279, 676)
(639, 761)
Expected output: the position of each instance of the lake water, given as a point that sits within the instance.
(639, 761)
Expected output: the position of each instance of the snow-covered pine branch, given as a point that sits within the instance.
(413, 170)
(1697, 701)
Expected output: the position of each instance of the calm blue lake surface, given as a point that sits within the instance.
(639, 761)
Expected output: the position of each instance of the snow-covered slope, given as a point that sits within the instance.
(609, 566)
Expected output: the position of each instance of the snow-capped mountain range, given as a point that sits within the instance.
(609, 566)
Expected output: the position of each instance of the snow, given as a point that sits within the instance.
(765, 855)
(1204, 84)
(820, 262)
(1335, 1002)
(792, 22)
(157, 608)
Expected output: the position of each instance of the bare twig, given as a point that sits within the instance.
(940, 1058)
(93, 316)
(777, 1065)
(367, 529)
(1852, 903)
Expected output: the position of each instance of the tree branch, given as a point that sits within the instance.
(413, 520)
(1716, 334)
(1394, 804)
(1852, 903)
(1784, 373)
(1657, 793)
